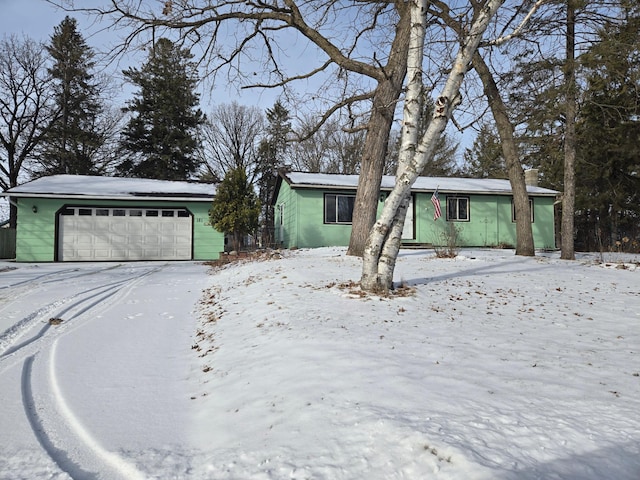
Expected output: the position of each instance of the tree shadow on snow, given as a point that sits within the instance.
(499, 267)
(619, 462)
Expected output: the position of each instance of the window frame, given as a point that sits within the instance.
(456, 199)
(513, 211)
(281, 214)
(336, 208)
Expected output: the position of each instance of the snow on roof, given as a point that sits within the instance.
(429, 184)
(57, 186)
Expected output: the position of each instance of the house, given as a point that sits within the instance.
(314, 210)
(90, 218)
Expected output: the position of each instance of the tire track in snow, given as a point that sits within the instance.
(58, 274)
(58, 430)
(12, 334)
(60, 457)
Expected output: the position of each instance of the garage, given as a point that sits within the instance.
(96, 233)
(79, 218)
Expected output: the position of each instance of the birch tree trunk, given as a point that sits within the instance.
(381, 248)
(409, 133)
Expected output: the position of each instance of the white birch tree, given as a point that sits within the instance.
(384, 240)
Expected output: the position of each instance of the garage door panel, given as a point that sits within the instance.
(124, 234)
(151, 240)
(102, 254)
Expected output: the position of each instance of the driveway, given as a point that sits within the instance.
(95, 367)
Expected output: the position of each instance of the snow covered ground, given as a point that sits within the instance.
(491, 366)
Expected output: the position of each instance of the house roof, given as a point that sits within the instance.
(116, 188)
(422, 184)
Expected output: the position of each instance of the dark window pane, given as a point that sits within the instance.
(86, 212)
(167, 213)
(452, 208)
(345, 209)
(135, 213)
(68, 211)
(183, 213)
(119, 213)
(151, 213)
(330, 209)
(102, 212)
(463, 209)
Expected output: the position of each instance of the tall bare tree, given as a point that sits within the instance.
(511, 154)
(569, 198)
(361, 55)
(503, 121)
(547, 96)
(26, 108)
(231, 138)
(329, 150)
(384, 241)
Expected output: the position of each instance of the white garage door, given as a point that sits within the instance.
(98, 233)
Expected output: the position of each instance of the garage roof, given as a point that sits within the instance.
(82, 186)
(422, 184)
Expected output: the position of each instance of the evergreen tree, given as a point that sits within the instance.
(161, 139)
(271, 158)
(484, 159)
(73, 139)
(235, 208)
(608, 200)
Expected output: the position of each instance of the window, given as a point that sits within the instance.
(135, 213)
(458, 209)
(183, 213)
(102, 212)
(338, 208)
(151, 213)
(167, 213)
(281, 213)
(85, 212)
(68, 211)
(513, 210)
(119, 213)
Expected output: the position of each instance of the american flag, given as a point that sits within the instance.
(436, 205)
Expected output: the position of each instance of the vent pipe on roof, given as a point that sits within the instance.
(531, 177)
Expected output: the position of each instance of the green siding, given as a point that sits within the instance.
(490, 222)
(207, 241)
(36, 232)
(286, 217)
(303, 224)
(544, 233)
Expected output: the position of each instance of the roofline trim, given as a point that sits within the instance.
(137, 197)
(318, 186)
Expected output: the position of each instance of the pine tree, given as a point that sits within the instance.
(608, 162)
(73, 139)
(271, 158)
(485, 159)
(161, 139)
(235, 208)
